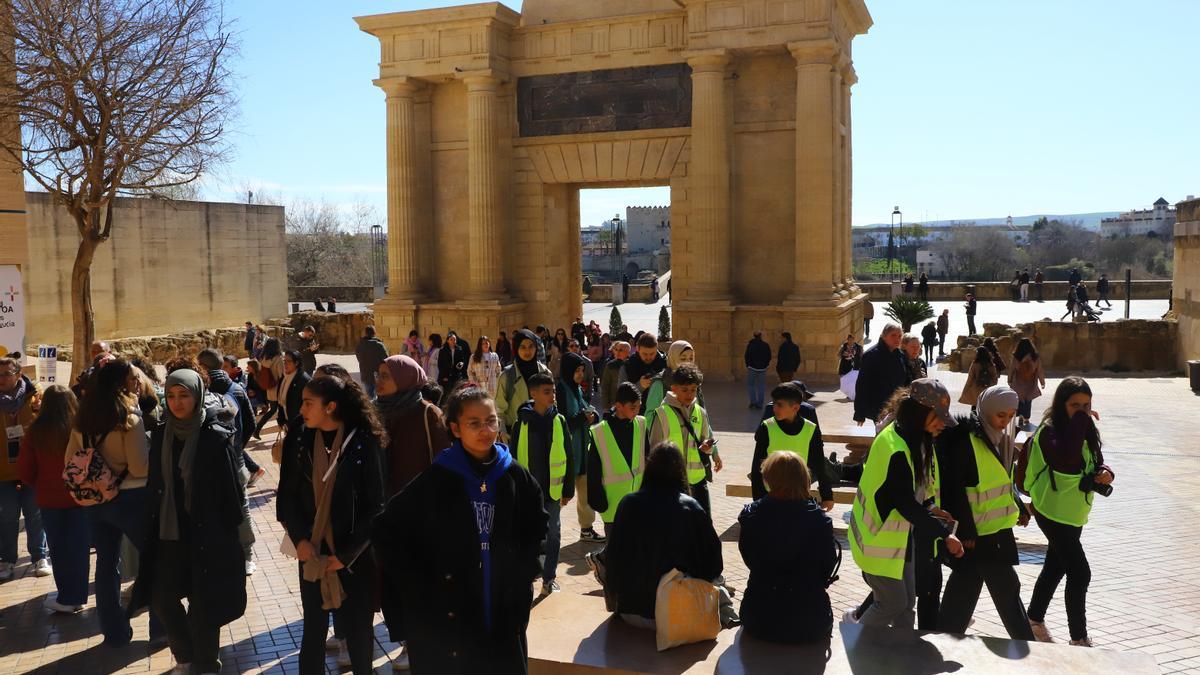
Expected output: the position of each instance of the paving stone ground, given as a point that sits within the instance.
(1143, 543)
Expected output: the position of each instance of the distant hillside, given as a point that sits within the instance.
(1088, 220)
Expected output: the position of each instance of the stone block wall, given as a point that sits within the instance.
(169, 268)
(1148, 289)
(1186, 289)
(1073, 347)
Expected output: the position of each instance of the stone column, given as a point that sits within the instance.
(849, 78)
(816, 247)
(485, 275)
(403, 188)
(710, 239)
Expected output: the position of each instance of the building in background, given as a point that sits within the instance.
(1159, 220)
(1185, 291)
(648, 228)
(930, 264)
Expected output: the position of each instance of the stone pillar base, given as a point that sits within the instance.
(719, 333)
(394, 318)
(471, 318)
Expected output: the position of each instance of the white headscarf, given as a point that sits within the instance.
(993, 400)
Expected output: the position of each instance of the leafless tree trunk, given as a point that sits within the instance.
(114, 97)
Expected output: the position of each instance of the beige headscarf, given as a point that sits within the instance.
(675, 351)
(996, 399)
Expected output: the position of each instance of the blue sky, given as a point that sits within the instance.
(963, 109)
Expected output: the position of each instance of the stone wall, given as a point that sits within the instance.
(169, 268)
(342, 293)
(1000, 290)
(1077, 347)
(1186, 300)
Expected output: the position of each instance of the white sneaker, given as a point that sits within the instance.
(848, 616)
(42, 568)
(1085, 642)
(181, 669)
(343, 657)
(1040, 632)
(57, 607)
(250, 567)
(6, 571)
(332, 644)
(401, 660)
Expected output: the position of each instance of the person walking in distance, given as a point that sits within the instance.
(1102, 288)
(970, 307)
(868, 314)
(757, 359)
(1038, 280)
(370, 352)
(1024, 279)
(1027, 378)
(788, 360)
(929, 340)
(923, 287)
(943, 327)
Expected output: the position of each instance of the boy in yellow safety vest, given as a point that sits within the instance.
(617, 455)
(540, 443)
(683, 421)
(788, 430)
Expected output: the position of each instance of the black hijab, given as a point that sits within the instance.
(526, 368)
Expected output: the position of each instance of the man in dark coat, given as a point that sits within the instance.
(881, 373)
(757, 359)
(452, 362)
(305, 342)
(788, 360)
(370, 352)
(248, 345)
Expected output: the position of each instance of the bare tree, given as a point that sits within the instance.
(326, 247)
(114, 97)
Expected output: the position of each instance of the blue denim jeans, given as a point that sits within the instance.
(553, 540)
(756, 383)
(13, 503)
(369, 387)
(70, 540)
(125, 515)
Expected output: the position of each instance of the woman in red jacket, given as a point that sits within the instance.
(40, 465)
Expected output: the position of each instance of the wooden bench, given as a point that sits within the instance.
(572, 634)
(841, 495)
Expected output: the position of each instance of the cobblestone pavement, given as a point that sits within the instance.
(1142, 543)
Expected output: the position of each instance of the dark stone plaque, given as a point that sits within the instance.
(623, 99)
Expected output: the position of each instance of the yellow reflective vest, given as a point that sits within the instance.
(993, 500)
(558, 454)
(619, 476)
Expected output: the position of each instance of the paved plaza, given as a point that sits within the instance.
(1141, 542)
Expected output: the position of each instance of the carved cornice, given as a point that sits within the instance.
(824, 51)
(711, 60)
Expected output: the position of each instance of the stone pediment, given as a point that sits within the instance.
(539, 12)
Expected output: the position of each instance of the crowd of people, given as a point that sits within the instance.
(432, 487)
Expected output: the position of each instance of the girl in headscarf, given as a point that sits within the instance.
(193, 549)
(513, 389)
(415, 430)
(679, 352)
(977, 490)
(1027, 378)
(580, 416)
(327, 502)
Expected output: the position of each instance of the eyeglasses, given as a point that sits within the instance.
(476, 426)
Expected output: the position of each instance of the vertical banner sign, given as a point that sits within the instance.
(47, 365)
(12, 312)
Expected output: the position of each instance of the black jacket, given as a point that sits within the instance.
(541, 433)
(814, 458)
(956, 456)
(929, 335)
(452, 366)
(622, 431)
(209, 529)
(294, 396)
(357, 495)
(788, 360)
(370, 352)
(788, 546)
(881, 372)
(655, 531)
(428, 548)
(758, 354)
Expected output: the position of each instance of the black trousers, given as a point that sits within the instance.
(971, 324)
(272, 411)
(962, 594)
(191, 638)
(353, 621)
(928, 353)
(700, 494)
(1064, 557)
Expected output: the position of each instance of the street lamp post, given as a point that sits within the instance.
(378, 256)
(618, 254)
(892, 240)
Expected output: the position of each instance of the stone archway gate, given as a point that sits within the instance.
(495, 120)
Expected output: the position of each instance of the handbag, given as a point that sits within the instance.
(686, 610)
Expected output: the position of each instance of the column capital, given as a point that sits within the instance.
(709, 61)
(399, 87)
(814, 52)
(849, 76)
(480, 80)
